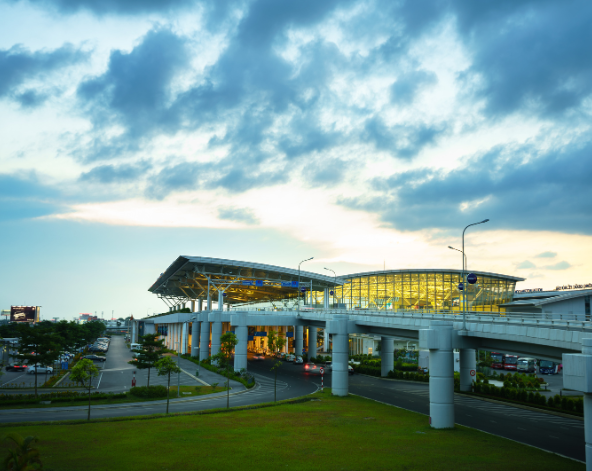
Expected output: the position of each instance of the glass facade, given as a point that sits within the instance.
(433, 291)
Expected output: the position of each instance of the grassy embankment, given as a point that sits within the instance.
(334, 433)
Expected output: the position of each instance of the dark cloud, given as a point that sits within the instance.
(243, 215)
(135, 90)
(116, 174)
(183, 176)
(19, 65)
(238, 179)
(516, 188)
(102, 7)
(404, 141)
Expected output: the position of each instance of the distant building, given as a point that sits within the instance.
(561, 304)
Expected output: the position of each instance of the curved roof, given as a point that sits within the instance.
(430, 270)
(187, 278)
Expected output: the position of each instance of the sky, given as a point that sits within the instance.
(365, 134)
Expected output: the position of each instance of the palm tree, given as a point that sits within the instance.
(23, 456)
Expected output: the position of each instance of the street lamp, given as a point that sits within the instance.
(464, 256)
(464, 282)
(334, 283)
(298, 299)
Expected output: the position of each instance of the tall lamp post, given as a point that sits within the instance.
(298, 299)
(334, 282)
(464, 275)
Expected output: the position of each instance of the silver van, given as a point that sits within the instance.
(526, 365)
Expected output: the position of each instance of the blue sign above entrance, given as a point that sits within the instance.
(261, 334)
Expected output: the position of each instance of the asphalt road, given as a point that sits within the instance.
(549, 432)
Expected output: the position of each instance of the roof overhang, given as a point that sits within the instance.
(242, 282)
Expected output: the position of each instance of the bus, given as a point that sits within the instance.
(511, 362)
(497, 360)
(547, 367)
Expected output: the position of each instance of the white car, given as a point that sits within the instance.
(40, 369)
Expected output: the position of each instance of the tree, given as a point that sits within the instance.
(227, 343)
(149, 354)
(22, 456)
(166, 366)
(274, 343)
(38, 345)
(85, 371)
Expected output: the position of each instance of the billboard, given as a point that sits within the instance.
(24, 313)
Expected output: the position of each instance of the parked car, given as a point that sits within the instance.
(95, 358)
(40, 370)
(328, 366)
(290, 357)
(16, 368)
(298, 361)
(350, 369)
(258, 357)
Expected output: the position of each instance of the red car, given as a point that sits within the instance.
(17, 368)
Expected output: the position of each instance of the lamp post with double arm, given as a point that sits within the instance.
(298, 299)
(464, 275)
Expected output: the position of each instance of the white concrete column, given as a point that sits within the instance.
(204, 339)
(184, 335)
(195, 339)
(200, 305)
(387, 355)
(438, 340)
(216, 318)
(209, 297)
(193, 305)
(468, 368)
(312, 342)
(577, 375)
(340, 357)
(326, 341)
(298, 339)
(326, 298)
(239, 321)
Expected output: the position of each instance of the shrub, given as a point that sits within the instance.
(149, 392)
(550, 402)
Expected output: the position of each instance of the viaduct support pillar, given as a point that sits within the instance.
(239, 320)
(577, 375)
(195, 332)
(298, 339)
(204, 339)
(438, 340)
(339, 364)
(312, 342)
(216, 318)
(184, 337)
(193, 305)
(387, 355)
(468, 368)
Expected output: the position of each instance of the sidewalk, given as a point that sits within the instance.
(207, 376)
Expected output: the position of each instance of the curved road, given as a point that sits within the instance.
(562, 435)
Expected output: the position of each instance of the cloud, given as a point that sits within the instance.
(525, 264)
(243, 215)
(102, 7)
(19, 65)
(407, 86)
(531, 55)
(24, 197)
(182, 176)
(547, 255)
(559, 266)
(515, 187)
(135, 90)
(116, 174)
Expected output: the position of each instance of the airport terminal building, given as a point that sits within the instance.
(206, 284)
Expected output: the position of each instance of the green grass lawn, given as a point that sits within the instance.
(186, 391)
(331, 434)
